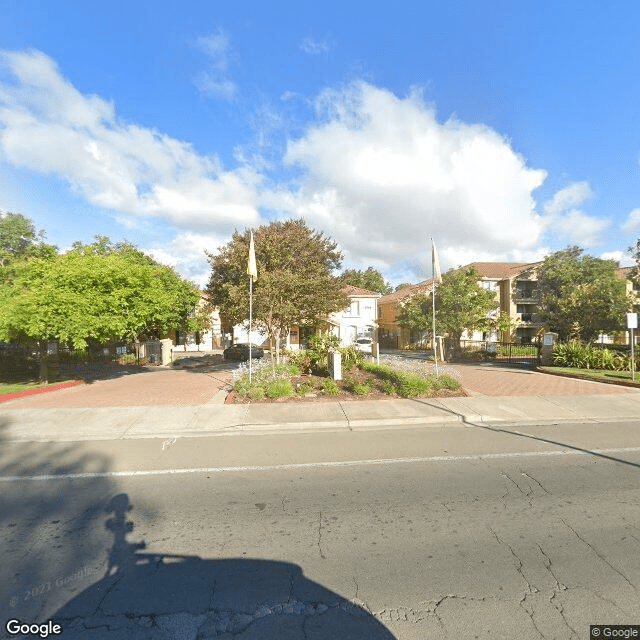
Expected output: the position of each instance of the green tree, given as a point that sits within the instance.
(403, 285)
(369, 279)
(295, 284)
(580, 292)
(87, 294)
(461, 304)
(18, 241)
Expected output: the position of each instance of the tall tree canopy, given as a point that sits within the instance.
(461, 304)
(102, 291)
(580, 290)
(295, 284)
(369, 279)
(19, 240)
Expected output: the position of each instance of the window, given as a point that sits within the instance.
(354, 309)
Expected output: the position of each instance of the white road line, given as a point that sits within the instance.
(316, 465)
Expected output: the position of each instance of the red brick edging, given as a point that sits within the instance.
(33, 392)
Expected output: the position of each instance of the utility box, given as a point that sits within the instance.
(549, 341)
(335, 365)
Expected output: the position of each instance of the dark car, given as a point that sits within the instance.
(241, 352)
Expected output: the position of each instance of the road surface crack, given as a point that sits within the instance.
(320, 536)
(599, 555)
(526, 475)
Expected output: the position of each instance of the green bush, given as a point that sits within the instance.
(360, 389)
(278, 389)
(255, 393)
(304, 388)
(351, 357)
(410, 385)
(578, 355)
(331, 387)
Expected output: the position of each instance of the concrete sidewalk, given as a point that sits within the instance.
(114, 423)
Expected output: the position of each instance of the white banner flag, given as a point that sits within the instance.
(251, 267)
(435, 263)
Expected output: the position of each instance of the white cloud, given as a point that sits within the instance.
(623, 259)
(382, 176)
(315, 47)
(215, 81)
(632, 223)
(48, 126)
(565, 219)
(186, 253)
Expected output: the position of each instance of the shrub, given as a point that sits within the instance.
(304, 388)
(360, 389)
(330, 386)
(278, 389)
(577, 355)
(351, 357)
(255, 393)
(408, 384)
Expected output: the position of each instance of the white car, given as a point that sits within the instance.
(364, 345)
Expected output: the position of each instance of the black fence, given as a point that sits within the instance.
(20, 361)
(504, 353)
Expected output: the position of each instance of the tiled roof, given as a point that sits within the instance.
(625, 273)
(350, 290)
(500, 270)
(407, 292)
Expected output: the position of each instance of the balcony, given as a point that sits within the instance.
(528, 319)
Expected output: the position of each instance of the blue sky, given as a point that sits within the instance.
(505, 130)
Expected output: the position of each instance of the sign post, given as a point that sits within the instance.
(632, 323)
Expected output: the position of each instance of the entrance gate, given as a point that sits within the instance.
(508, 354)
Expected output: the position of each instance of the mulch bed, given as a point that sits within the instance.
(318, 394)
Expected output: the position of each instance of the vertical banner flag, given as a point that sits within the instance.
(435, 263)
(251, 267)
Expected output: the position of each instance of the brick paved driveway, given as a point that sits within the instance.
(153, 387)
(492, 380)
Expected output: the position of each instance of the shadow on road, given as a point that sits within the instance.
(52, 538)
(162, 596)
(566, 445)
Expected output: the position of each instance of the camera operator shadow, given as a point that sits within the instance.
(163, 596)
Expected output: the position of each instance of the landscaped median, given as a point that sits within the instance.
(285, 382)
(610, 364)
(599, 375)
(14, 390)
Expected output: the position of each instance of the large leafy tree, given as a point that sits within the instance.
(581, 292)
(295, 284)
(370, 279)
(19, 241)
(461, 304)
(102, 292)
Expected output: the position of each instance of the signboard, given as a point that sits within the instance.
(632, 320)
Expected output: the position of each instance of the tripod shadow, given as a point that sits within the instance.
(163, 596)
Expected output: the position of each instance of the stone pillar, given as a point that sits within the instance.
(167, 345)
(375, 352)
(335, 365)
(548, 342)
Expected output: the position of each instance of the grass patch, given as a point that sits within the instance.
(16, 387)
(597, 374)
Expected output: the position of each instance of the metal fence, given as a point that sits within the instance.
(504, 353)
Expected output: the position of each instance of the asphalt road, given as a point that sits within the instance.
(483, 534)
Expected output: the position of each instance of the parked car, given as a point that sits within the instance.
(364, 345)
(240, 352)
